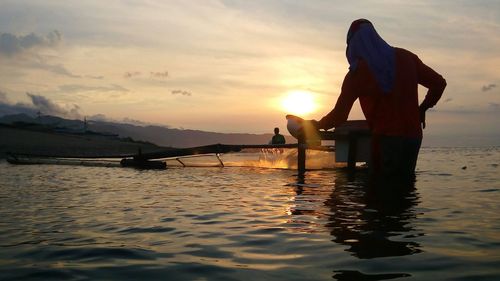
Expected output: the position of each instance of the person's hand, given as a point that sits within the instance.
(422, 111)
(315, 124)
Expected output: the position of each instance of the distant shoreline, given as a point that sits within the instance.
(18, 140)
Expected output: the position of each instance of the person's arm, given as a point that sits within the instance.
(343, 106)
(433, 81)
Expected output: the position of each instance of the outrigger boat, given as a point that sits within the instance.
(352, 145)
(153, 160)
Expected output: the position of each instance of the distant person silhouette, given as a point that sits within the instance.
(386, 79)
(278, 138)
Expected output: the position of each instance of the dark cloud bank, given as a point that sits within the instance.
(38, 104)
(11, 44)
(44, 106)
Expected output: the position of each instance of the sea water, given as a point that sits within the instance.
(251, 223)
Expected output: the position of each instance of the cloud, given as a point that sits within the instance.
(3, 97)
(72, 88)
(100, 77)
(181, 92)
(161, 75)
(99, 117)
(11, 45)
(135, 122)
(447, 100)
(132, 74)
(103, 118)
(494, 106)
(48, 107)
(14, 46)
(54, 68)
(8, 109)
(488, 87)
(38, 104)
(152, 74)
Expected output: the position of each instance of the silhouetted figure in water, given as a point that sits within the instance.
(373, 222)
(278, 138)
(385, 79)
(368, 218)
(369, 222)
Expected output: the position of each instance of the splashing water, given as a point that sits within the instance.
(278, 158)
(272, 158)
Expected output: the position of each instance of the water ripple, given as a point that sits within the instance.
(154, 229)
(237, 223)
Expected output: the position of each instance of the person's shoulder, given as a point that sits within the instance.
(401, 52)
(407, 57)
(404, 52)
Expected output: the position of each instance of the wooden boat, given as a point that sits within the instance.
(154, 160)
(143, 164)
(34, 160)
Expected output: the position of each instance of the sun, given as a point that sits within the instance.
(299, 103)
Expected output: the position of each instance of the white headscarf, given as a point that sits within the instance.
(363, 42)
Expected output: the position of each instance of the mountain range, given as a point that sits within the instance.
(158, 135)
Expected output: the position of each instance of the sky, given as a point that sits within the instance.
(228, 66)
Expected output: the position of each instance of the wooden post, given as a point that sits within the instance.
(301, 157)
(351, 156)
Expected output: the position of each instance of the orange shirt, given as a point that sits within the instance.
(395, 113)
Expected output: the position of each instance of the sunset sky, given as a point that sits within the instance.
(227, 66)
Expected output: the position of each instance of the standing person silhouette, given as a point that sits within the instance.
(277, 138)
(386, 79)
